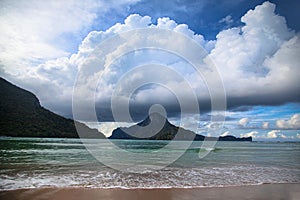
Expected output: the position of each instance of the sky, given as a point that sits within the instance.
(255, 46)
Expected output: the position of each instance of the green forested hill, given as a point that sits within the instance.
(22, 115)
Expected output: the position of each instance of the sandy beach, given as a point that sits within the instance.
(265, 191)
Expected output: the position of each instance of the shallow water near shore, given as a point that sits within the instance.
(56, 162)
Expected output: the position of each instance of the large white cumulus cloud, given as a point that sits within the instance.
(260, 58)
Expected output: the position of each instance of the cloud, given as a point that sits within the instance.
(244, 121)
(265, 125)
(29, 27)
(298, 135)
(108, 127)
(227, 20)
(276, 134)
(252, 134)
(258, 61)
(113, 69)
(252, 57)
(225, 134)
(273, 134)
(292, 123)
(33, 32)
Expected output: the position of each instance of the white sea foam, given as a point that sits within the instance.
(167, 178)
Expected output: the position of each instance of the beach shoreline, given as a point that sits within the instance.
(264, 191)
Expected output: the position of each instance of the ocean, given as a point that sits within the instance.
(57, 162)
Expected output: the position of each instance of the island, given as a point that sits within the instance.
(147, 130)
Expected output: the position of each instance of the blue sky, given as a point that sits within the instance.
(254, 44)
(204, 16)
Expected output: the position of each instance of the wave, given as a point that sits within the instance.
(170, 177)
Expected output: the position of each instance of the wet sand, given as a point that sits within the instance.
(265, 191)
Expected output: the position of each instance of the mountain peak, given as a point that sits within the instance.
(154, 127)
(154, 118)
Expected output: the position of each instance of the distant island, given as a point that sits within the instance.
(21, 115)
(146, 130)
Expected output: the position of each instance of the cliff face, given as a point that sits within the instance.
(147, 129)
(21, 115)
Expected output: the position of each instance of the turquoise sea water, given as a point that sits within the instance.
(37, 162)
